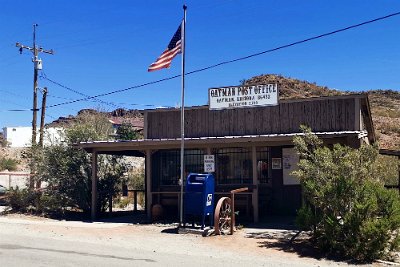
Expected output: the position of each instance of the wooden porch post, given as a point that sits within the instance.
(149, 196)
(93, 210)
(254, 197)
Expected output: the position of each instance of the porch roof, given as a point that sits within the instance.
(137, 147)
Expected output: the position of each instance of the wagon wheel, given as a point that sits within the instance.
(223, 216)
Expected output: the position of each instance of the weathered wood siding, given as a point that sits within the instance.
(320, 114)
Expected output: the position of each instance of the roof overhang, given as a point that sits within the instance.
(366, 113)
(137, 147)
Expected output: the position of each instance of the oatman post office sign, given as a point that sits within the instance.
(243, 96)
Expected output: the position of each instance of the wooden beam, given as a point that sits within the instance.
(149, 195)
(93, 210)
(145, 126)
(357, 114)
(254, 197)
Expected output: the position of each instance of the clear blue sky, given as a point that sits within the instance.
(101, 46)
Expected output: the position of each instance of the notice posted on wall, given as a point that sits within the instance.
(289, 163)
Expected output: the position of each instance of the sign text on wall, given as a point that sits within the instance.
(243, 96)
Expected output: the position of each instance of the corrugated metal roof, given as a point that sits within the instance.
(359, 133)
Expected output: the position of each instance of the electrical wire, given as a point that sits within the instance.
(294, 43)
(19, 105)
(43, 75)
(233, 60)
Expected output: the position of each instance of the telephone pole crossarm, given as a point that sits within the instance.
(37, 65)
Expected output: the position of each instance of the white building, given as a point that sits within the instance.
(22, 136)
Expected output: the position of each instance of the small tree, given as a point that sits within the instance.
(126, 132)
(67, 169)
(355, 216)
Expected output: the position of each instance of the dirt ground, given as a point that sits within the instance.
(248, 242)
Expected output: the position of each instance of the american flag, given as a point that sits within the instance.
(174, 48)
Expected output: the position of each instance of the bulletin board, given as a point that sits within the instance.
(289, 161)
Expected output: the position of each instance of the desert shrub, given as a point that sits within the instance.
(8, 164)
(34, 201)
(127, 132)
(356, 217)
(386, 112)
(136, 178)
(67, 171)
(306, 218)
(123, 202)
(48, 202)
(21, 200)
(388, 169)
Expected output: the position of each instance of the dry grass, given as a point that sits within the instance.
(385, 104)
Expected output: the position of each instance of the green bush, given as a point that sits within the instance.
(21, 200)
(127, 132)
(306, 219)
(122, 202)
(67, 170)
(8, 164)
(356, 216)
(49, 203)
(39, 202)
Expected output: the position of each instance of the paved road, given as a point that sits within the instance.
(52, 243)
(23, 251)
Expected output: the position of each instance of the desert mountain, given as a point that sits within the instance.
(385, 104)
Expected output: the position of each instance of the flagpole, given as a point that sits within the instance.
(183, 113)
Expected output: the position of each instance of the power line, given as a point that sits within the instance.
(44, 76)
(13, 110)
(115, 104)
(105, 94)
(233, 60)
(295, 43)
(114, 92)
(19, 105)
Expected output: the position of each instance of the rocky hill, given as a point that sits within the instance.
(118, 116)
(385, 104)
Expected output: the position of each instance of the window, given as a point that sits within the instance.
(166, 165)
(263, 166)
(233, 166)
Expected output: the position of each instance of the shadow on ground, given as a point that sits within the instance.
(288, 241)
(281, 233)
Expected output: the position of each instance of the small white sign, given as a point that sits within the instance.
(243, 96)
(209, 163)
(290, 159)
(209, 200)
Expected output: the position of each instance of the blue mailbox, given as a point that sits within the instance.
(199, 197)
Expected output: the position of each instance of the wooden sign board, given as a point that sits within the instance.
(243, 96)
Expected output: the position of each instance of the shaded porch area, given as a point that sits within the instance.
(253, 161)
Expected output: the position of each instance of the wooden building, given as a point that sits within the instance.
(252, 147)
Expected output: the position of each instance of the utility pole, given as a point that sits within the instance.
(37, 65)
(43, 112)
